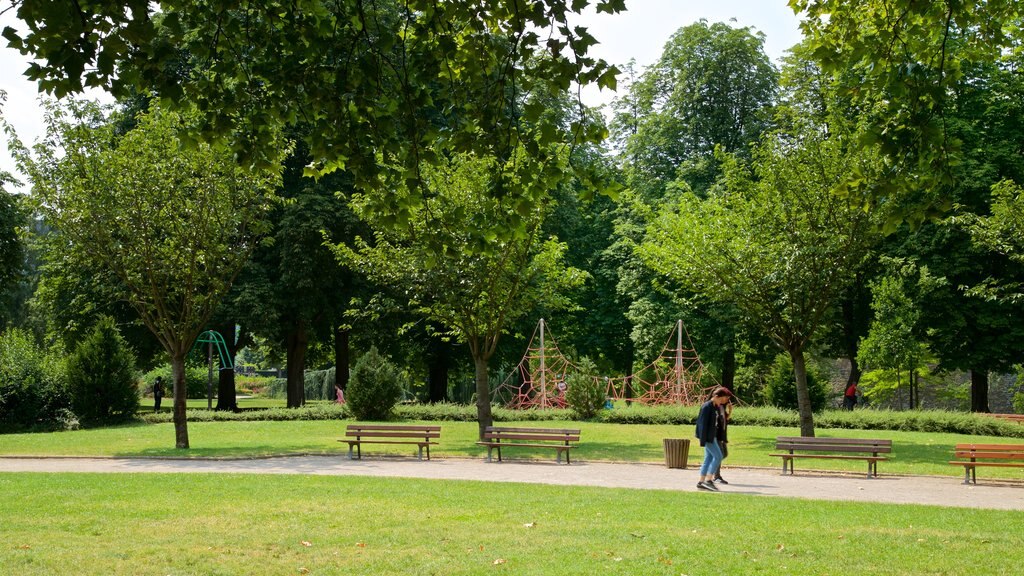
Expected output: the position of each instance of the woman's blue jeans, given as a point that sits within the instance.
(712, 458)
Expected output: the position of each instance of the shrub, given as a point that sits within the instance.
(320, 384)
(32, 388)
(780, 386)
(197, 378)
(375, 388)
(101, 376)
(585, 394)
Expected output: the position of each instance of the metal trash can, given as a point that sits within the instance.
(677, 451)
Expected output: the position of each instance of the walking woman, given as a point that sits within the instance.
(709, 430)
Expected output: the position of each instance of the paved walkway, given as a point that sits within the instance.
(944, 491)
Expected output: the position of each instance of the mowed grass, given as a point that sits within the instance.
(914, 452)
(173, 524)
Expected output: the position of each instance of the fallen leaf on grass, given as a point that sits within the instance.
(528, 525)
(303, 570)
(780, 547)
(360, 545)
(499, 561)
(24, 547)
(307, 543)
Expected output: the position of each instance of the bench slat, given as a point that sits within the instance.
(350, 433)
(836, 456)
(395, 427)
(517, 436)
(532, 430)
(833, 448)
(987, 454)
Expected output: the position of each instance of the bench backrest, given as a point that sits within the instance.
(392, 431)
(1018, 418)
(555, 434)
(833, 444)
(995, 451)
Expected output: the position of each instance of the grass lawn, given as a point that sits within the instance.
(914, 452)
(271, 525)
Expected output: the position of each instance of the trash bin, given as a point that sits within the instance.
(677, 450)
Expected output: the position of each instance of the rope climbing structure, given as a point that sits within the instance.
(539, 380)
(672, 378)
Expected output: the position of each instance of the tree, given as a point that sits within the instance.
(294, 291)
(12, 247)
(713, 86)
(172, 224)
(370, 80)
(903, 60)
(779, 244)
(462, 269)
(893, 341)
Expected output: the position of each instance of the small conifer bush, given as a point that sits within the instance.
(375, 387)
(101, 376)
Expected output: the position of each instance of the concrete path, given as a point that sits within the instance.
(932, 490)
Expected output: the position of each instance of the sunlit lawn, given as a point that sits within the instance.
(171, 524)
(914, 452)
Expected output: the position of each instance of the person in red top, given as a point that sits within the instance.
(850, 396)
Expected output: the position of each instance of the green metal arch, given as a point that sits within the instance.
(214, 337)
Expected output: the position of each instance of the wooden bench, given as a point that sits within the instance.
(848, 448)
(421, 436)
(1006, 456)
(1018, 418)
(559, 440)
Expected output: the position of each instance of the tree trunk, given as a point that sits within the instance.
(483, 394)
(803, 396)
(341, 368)
(851, 339)
(979, 391)
(296, 342)
(180, 395)
(226, 395)
(729, 368)
(437, 373)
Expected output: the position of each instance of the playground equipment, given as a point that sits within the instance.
(538, 381)
(213, 338)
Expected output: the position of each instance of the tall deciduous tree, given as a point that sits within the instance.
(778, 244)
(713, 86)
(460, 267)
(173, 224)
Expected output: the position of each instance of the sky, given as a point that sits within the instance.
(640, 33)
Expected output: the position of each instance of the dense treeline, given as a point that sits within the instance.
(807, 222)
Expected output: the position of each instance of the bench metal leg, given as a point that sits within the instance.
(970, 473)
(421, 453)
(489, 454)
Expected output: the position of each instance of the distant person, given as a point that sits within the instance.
(709, 429)
(339, 394)
(158, 393)
(850, 396)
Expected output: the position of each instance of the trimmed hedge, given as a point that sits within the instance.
(919, 421)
